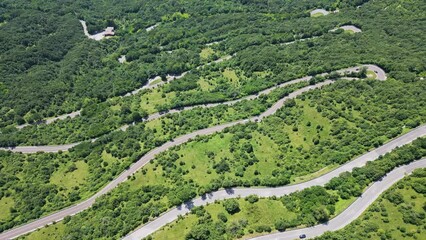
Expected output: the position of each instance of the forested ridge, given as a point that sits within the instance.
(83, 71)
(49, 67)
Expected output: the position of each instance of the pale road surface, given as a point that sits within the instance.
(169, 78)
(97, 36)
(150, 28)
(149, 84)
(354, 210)
(351, 28)
(381, 75)
(178, 141)
(323, 11)
(51, 120)
(173, 214)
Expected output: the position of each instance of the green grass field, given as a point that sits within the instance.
(5, 204)
(263, 212)
(371, 74)
(317, 15)
(55, 231)
(71, 175)
(231, 75)
(205, 85)
(349, 31)
(155, 97)
(206, 53)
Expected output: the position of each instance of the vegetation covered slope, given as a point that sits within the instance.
(44, 49)
(344, 127)
(231, 218)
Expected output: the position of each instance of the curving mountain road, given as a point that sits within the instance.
(381, 75)
(148, 85)
(355, 209)
(230, 193)
(178, 141)
(173, 214)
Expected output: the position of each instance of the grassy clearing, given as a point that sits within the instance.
(5, 204)
(71, 175)
(155, 82)
(115, 108)
(195, 155)
(317, 14)
(55, 231)
(316, 174)
(262, 74)
(204, 84)
(107, 157)
(200, 168)
(176, 230)
(342, 204)
(390, 219)
(155, 97)
(263, 212)
(232, 76)
(306, 126)
(206, 53)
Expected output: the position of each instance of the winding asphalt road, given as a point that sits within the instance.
(185, 138)
(230, 193)
(354, 210)
(381, 75)
(148, 85)
(173, 214)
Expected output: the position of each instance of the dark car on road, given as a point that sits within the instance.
(302, 236)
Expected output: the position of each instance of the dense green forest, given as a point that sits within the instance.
(86, 71)
(50, 67)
